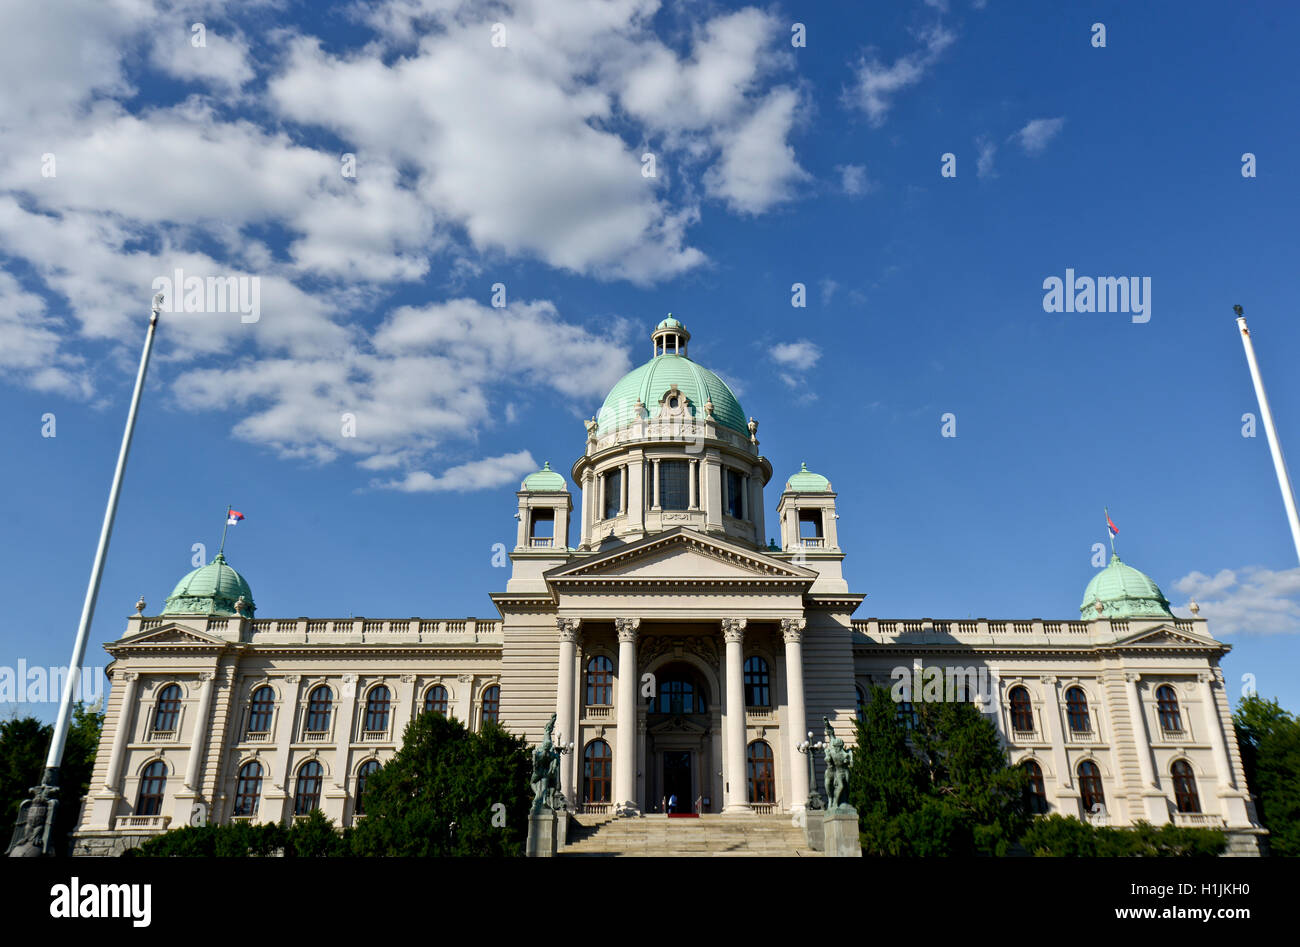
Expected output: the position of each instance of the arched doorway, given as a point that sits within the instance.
(679, 741)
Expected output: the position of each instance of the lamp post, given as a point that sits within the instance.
(807, 747)
(562, 748)
(36, 817)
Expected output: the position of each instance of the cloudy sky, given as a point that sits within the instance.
(464, 217)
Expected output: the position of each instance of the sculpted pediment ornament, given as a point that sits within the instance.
(680, 555)
(172, 635)
(1165, 636)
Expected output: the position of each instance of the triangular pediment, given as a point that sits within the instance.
(1167, 636)
(681, 555)
(171, 635)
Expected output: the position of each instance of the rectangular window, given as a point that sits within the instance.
(735, 494)
(810, 524)
(613, 492)
(674, 484)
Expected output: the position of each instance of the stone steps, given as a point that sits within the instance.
(709, 835)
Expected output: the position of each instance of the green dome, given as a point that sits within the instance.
(1124, 592)
(545, 480)
(805, 481)
(210, 590)
(670, 323)
(651, 382)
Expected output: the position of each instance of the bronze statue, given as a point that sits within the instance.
(36, 818)
(546, 772)
(838, 760)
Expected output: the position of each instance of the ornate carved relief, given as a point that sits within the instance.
(627, 628)
(568, 628)
(792, 629)
(733, 629)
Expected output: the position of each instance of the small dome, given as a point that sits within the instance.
(545, 480)
(670, 323)
(210, 590)
(1123, 592)
(805, 481)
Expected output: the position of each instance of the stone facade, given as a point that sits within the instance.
(682, 653)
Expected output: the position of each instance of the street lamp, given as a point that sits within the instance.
(807, 747)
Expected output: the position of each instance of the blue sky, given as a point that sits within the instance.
(522, 165)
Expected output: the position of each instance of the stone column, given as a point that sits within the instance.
(564, 703)
(711, 487)
(198, 742)
(1140, 737)
(464, 699)
(737, 793)
(122, 736)
(1214, 729)
(655, 504)
(756, 510)
(796, 714)
(695, 497)
(622, 489)
(625, 758)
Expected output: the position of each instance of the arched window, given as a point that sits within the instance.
(377, 704)
(260, 710)
(1171, 719)
(492, 704)
(906, 715)
(1090, 785)
(306, 793)
(1185, 795)
(758, 690)
(677, 695)
(1076, 709)
(167, 712)
(762, 780)
(318, 709)
(596, 764)
(862, 702)
(363, 773)
(1022, 711)
(435, 699)
(153, 782)
(248, 789)
(600, 682)
(1035, 792)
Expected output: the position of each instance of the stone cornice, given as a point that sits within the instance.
(762, 568)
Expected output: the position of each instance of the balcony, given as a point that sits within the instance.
(1174, 736)
(144, 823)
(1198, 820)
(603, 712)
(812, 542)
(541, 542)
(316, 736)
(374, 736)
(761, 715)
(1083, 737)
(1024, 736)
(160, 736)
(257, 736)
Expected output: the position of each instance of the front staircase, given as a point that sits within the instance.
(661, 837)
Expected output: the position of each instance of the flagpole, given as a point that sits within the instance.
(1279, 464)
(226, 526)
(35, 840)
(1109, 532)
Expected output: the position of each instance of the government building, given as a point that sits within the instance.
(687, 646)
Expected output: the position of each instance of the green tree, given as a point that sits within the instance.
(24, 743)
(1067, 837)
(448, 791)
(949, 792)
(1269, 738)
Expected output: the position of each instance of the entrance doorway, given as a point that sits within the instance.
(677, 779)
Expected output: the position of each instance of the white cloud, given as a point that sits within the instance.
(876, 84)
(222, 60)
(427, 376)
(801, 355)
(853, 179)
(987, 151)
(1251, 600)
(31, 344)
(1036, 135)
(485, 474)
(758, 168)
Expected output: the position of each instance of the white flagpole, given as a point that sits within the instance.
(50, 779)
(1279, 464)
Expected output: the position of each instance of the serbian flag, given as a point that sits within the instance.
(233, 517)
(1114, 530)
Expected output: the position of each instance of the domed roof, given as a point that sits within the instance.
(1123, 592)
(651, 381)
(545, 480)
(210, 590)
(805, 481)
